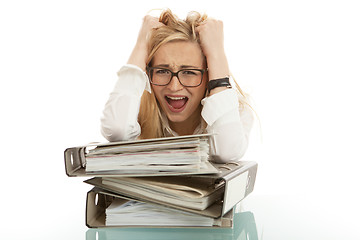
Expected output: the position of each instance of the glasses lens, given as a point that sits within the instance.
(160, 76)
(187, 77)
(190, 77)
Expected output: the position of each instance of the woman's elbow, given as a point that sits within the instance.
(113, 134)
(232, 151)
(233, 156)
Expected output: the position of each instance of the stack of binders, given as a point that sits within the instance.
(165, 182)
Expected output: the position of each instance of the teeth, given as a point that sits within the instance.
(175, 98)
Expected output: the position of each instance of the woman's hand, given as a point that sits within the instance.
(211, 35)
(149, 23)
(140, 52)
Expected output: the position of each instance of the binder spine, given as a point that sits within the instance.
(74, 160)
(238, 185)
(235, 191)
(251, 179)
(96, 203)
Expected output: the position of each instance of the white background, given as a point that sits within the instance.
(299, 60)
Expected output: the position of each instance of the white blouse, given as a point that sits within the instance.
(230, 125)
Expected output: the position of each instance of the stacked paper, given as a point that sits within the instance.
(139, 214)
(180, 191)
(140, 157)
(159, 182)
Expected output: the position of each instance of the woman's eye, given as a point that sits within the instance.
(187, 72)
(162, 71)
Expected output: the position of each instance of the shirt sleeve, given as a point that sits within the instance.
(119, 120)
(229, 123)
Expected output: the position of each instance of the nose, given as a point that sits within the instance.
(175, 84)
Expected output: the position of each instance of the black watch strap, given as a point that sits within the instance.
(221, 82)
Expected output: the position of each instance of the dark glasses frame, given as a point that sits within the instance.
(148, 69)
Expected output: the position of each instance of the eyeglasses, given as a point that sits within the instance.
(187, 77)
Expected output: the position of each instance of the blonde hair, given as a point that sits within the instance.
(174, 29)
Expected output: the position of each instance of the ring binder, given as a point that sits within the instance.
(237, 182)
(95, 213)
(192, 162)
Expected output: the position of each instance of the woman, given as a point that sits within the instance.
(176, 82)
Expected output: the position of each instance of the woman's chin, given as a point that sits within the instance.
(175, 118)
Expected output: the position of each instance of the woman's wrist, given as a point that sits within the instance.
(139, 55)
(218, 66)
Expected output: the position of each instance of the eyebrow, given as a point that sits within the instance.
(181, 66)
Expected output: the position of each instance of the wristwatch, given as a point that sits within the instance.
(220, 82)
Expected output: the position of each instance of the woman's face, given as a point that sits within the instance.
(180, 103)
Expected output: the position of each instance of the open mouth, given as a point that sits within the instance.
(177, 103)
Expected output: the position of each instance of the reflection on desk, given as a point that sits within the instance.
(244, 229)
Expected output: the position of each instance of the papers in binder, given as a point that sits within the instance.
(98, 200)
(180, 191)
(138, 214)
(177, 154)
